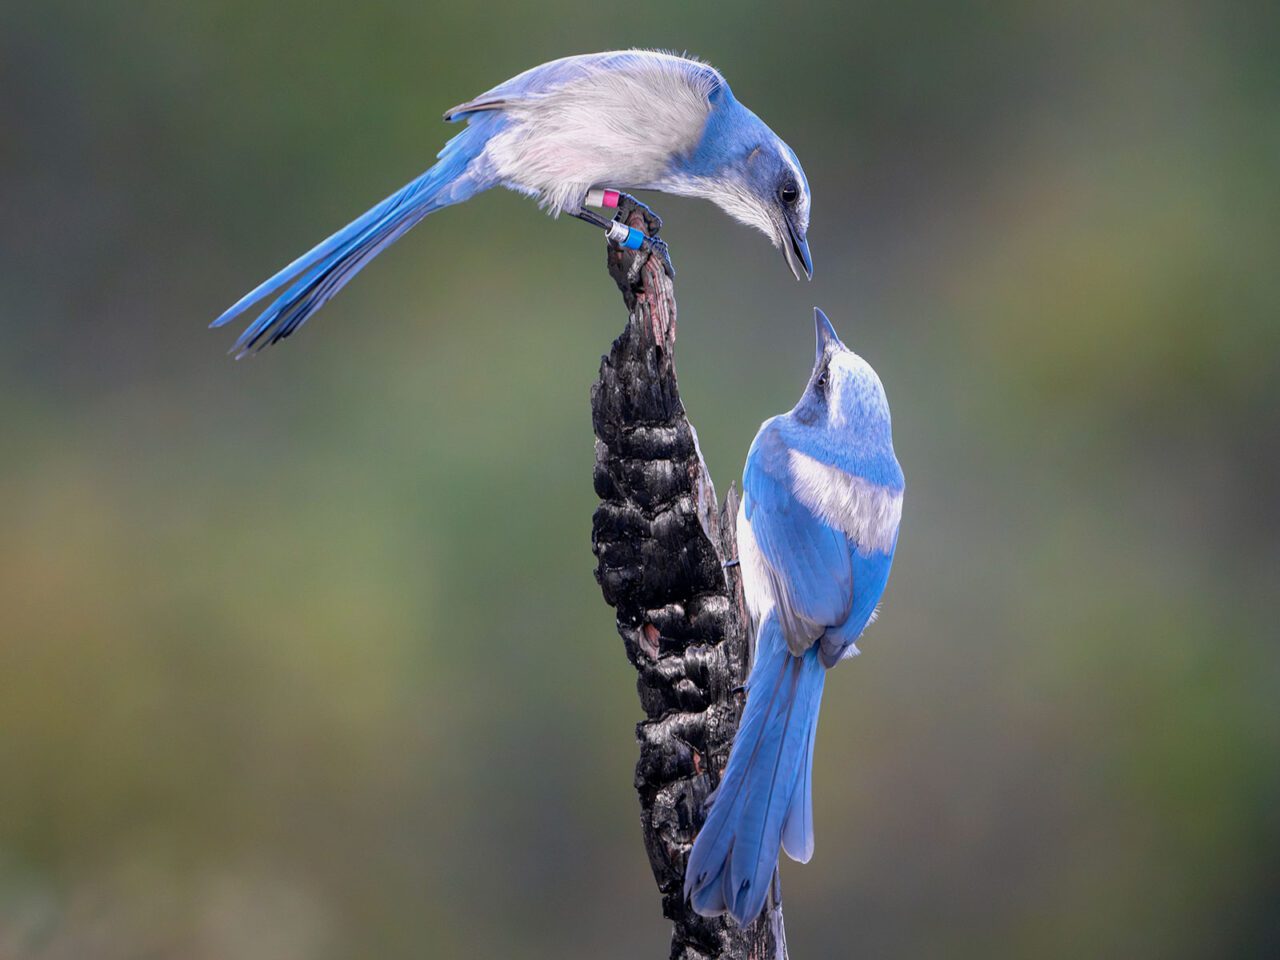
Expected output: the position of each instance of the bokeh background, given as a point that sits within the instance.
(302, 656)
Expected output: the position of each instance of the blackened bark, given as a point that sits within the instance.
(661, 542)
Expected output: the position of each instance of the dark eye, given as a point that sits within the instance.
(822, 380)
(789, 192)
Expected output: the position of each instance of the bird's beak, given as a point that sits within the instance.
(796, 249)
(828, 341)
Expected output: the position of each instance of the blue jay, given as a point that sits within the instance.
(561, 133)
(817, 530)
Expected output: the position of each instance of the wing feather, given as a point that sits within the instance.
(807, 563)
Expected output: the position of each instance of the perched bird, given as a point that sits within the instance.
(566, 133)
(817, 530)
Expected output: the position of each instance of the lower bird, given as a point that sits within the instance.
(570, 133)
(817, 531)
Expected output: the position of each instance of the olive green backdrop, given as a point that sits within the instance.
(302, 656)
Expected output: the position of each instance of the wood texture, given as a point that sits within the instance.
(661, 541)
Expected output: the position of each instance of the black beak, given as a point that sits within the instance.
(797, 251)
(828, 341)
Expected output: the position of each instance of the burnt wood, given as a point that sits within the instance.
(662, 543)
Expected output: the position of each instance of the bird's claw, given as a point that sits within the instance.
(623, 236)
(659, 246)
(627, 205)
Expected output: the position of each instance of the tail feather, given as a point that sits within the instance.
(315, 277)
(765, 791)
(797, 829)
(321, 283)
(708, 873)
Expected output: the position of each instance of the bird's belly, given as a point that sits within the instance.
(559, 165)
(755, 580)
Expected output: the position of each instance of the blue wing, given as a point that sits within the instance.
(808, 563)
(870, 574)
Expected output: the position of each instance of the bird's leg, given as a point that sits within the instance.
(628, 205)
(586, 216)
(624, 203)
(619, 233)
(617, 229)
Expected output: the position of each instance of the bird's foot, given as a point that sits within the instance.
(655, 245)
(627, 205)
(624, 236)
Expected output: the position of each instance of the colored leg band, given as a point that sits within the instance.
(629, 238)
(602, 198)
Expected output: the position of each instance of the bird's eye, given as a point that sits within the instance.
(789, 192)
(822, 380)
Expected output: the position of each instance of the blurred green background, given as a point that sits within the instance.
(302, 656)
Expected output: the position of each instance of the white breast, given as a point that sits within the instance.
(755, 578)
(611, 128)
(868, 513)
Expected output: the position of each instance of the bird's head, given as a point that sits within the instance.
(765, 188)
(779, 187)
(844, 399)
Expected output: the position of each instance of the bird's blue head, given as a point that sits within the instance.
(773, 196)
(844, 412)
(748, 171)
(775, 178)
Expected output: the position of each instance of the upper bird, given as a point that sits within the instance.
(632, 119)
(817, 531)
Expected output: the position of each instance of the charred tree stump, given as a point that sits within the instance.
(661, 542)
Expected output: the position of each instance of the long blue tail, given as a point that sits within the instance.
(325, 269)
(765, 798)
